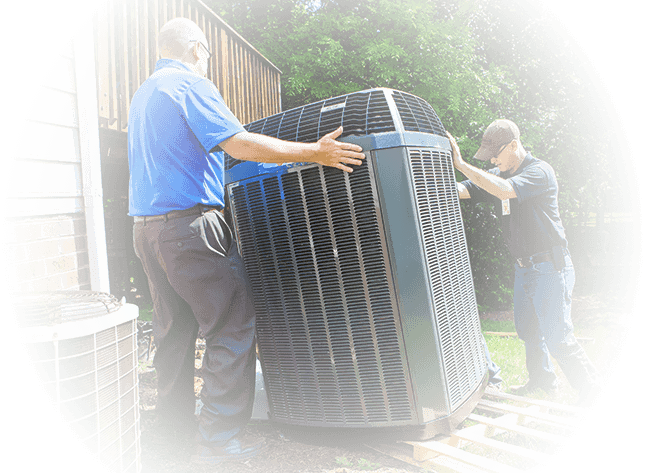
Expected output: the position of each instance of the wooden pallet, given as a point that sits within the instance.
(538, 422)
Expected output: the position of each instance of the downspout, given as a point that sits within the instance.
(90, 153)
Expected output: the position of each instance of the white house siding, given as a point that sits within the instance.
(47, 231)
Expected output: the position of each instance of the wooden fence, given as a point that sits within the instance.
(126, 52)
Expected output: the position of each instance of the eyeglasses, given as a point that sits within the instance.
(502, 148)
(201, 44)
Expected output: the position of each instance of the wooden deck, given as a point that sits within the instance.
(126, 52)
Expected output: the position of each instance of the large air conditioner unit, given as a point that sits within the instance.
(366, 311)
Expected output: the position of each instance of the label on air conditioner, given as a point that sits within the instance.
(333, 107)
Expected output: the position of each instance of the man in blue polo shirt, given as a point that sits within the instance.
(524, 192)
(178, 128)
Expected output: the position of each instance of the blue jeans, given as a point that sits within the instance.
(494, 372)
(542, 317)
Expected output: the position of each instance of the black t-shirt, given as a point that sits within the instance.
(533, 224)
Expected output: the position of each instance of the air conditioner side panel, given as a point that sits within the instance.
(435, 290)
(412, 287)
(327, 321)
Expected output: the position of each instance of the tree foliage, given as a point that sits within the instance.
(473, 61)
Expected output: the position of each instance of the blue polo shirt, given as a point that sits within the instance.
(534, 224)
(177, 120)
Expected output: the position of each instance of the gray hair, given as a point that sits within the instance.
(175, 37)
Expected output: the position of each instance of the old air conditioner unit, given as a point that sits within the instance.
(83, 348)
(366, 311)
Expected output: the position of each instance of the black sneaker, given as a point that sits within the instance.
(234, 450)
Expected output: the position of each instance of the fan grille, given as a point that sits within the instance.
(326, 318)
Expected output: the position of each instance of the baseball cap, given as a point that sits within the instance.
(499, 133)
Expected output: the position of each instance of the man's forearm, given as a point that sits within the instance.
(265, 149)
(490, 183)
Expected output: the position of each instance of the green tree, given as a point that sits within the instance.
(473, 61)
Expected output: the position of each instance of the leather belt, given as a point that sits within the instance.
(196, 210)
(528, 261)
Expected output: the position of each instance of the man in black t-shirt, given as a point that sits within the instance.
(524, 191)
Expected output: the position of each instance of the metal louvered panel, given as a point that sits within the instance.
(417, 114)
(326, 318)
(450, 275)
(360, 113)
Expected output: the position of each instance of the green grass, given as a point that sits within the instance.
(510, 354)
(507, 352)
(146, 313)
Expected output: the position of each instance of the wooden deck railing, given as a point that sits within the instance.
(126, 52)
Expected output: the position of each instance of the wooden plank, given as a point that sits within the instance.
(426, 448)
(135, 51)
(49, 142)
(144, 43)
(245, 95)
(277, 87)
(438, 464)
(504, 447)
(156, 19)
(55, 107)
(224, 63)
(443, 464)
(206, 27)
(255, 90)
(523, 419)
(536, 402)
(540, 416)
(238, 89)
(518, 429)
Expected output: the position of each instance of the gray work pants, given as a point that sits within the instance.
(197, 281)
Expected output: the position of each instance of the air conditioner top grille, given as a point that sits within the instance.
(49, 308)
(417, 115)
(360, 113)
